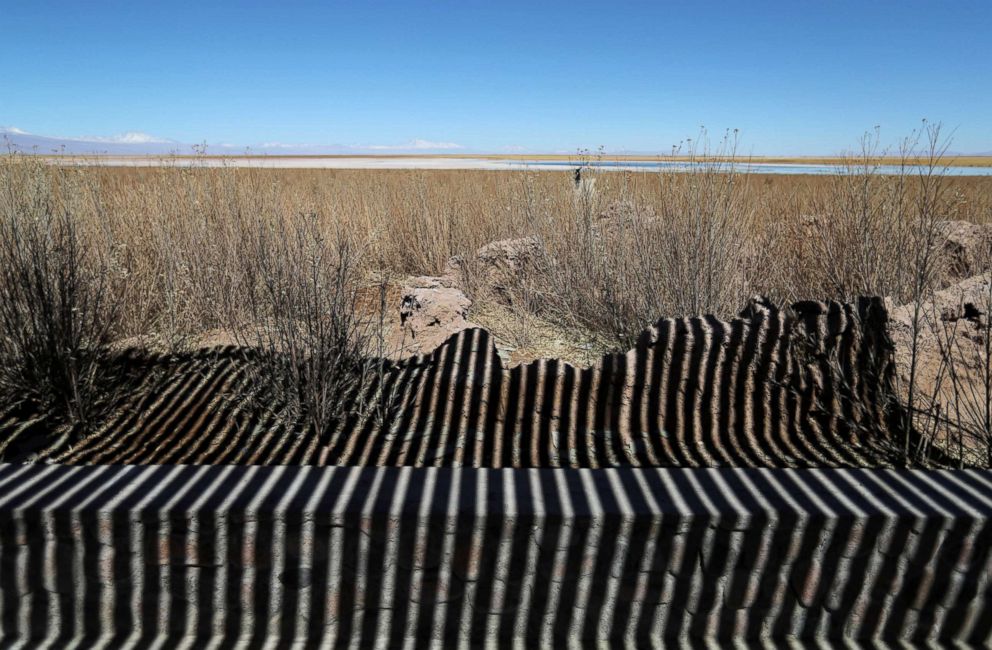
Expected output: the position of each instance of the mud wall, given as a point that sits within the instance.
(801, 387)
(383, 555)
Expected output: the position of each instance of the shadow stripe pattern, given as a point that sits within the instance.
(806, 386)
(241, 555)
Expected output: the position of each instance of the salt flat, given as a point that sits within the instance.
(302, 162)
(444, 162)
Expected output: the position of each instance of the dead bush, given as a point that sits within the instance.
(302, 315)
(58, 309)
(685, 249)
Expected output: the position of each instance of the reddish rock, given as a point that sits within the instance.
(422, 313)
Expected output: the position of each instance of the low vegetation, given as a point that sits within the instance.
(298, 262)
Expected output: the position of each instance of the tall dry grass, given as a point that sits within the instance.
(266, 255)
(58, 307)
(301, 312)
(653, 244)
(686, 243)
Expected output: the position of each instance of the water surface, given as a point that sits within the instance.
(742, 167)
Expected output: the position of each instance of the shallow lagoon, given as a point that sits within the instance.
(741, 167)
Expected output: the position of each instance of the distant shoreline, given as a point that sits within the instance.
(950, 161)
(953, 166)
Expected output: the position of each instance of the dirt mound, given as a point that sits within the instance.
(499, 270)
(961, 311)
(625, 215)
(967, 248)
(952, 361)
(510, 255)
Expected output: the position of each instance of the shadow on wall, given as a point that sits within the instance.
(805, 386)
(248, 556)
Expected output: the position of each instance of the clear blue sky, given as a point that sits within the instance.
(796, 77)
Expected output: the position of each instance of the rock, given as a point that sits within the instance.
(624, 215)
(967, 248)
(967, 300)
(454, 268)
(501, 267)
(429, 310)
(952, 330)
(510, 255)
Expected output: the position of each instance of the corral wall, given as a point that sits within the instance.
(808, 386)
(377, 556)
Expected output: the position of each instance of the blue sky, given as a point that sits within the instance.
(796, 77)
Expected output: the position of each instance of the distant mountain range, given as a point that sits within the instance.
(141, 144)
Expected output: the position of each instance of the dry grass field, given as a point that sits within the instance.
(165, 254)
(639, 246)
